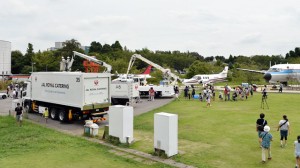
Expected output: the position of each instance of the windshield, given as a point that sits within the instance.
(197, 77)
(274, 70)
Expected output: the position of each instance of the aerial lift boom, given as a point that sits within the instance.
(166, 72)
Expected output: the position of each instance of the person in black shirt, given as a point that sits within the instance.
(19, 112)
(260, 123)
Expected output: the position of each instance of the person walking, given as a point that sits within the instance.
(260, 123)
(19, 113)
(151, 93)
(186, 90)
(7, 91)
(280, 87)
(284, 127)
(46, 114)
(176, 93)
(208, 96)
(193, 93)
(251, 90)
(266, 138)
(297, 151)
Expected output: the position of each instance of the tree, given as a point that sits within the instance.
(220, 58)
(29, 54)
(297, 51)
(116, 46)
(95, 47)
(67, 51)
(197, 56)
(106, 48)
(293, 54)
(46, 61)
(209, 59)
(17, 62)
(199, 67)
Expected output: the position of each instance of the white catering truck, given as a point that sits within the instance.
(68, 95)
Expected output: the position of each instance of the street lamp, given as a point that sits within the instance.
(32, 63)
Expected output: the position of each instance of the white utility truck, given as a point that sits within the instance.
(166, 87)
(124, 91)
(68, 95)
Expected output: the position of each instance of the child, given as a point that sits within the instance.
(46, 114)
(297, 151)
(266, 138)
(200, 97)
(220, 96)
(208, 100)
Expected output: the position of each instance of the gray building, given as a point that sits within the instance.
(5, 58)
(59, 45)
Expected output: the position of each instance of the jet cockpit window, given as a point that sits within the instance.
(274, 69)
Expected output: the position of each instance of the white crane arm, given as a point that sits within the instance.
(95, 60)
(166, 72)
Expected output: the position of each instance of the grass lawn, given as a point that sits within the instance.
(224, 135)
(33, 146)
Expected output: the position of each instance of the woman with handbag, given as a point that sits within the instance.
(284, 127)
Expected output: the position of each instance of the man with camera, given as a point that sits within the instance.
(264, 92)
(264, 98)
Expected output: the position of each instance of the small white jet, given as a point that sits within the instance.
(279, 73)
(207, 78)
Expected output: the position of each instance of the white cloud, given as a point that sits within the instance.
(208, 27)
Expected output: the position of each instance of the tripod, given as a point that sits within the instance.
(263, 101)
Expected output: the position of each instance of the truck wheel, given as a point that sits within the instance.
(62, 116)
(53, 114)
(3, 97)
(27, 108)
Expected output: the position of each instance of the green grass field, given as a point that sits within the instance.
(224, 135)
(219, 136)
(33, 146)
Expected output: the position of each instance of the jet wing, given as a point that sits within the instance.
(250, 70)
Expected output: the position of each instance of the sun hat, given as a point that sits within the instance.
(266, 128)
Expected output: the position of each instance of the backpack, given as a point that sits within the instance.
(261, 127)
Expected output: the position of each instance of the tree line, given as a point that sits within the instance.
(118, 57)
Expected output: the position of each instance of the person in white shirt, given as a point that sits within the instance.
(284, 127)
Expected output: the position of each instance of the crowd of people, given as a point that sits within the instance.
(265, 137)
(14, 90)
(208, 93)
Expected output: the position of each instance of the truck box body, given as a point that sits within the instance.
(160, 90)
(124, 89)
(75, 89)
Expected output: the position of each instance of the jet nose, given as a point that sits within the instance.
(267, 77)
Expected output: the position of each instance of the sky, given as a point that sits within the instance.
(211, 28)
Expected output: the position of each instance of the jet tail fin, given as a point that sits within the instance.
(225, 70)
(148, 70)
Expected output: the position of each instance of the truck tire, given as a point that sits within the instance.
(62, 115)
(53, 114)
(27, 107)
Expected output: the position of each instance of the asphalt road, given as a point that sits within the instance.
(76, 127)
